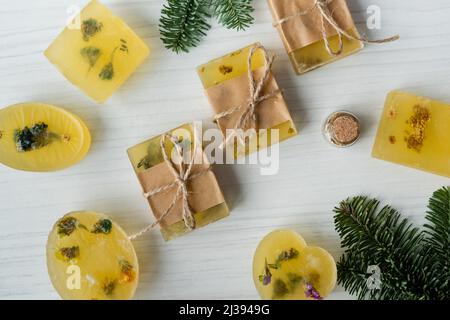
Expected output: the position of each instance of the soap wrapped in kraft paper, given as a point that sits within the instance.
(317, 32)
(245, 97)
(177, 181)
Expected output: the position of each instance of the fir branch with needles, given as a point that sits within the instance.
(437, 232)
(414, 264)
(184, 23)
(233, 14)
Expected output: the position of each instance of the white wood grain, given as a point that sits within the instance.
(165, 92)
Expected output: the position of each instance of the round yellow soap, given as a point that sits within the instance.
(66, 139)
(286, 268)
(89, 257)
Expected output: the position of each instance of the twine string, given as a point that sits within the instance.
(327, 16)
(182, 175)
(255, 94)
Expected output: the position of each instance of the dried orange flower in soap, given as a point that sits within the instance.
(418, 135)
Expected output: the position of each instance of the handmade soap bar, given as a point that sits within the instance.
(89, 257)
(226, 82)
(303, 37)
(315, 55)
(204, 195)
(41, 137)
(286, 268)
(415, 131)
(99, 55)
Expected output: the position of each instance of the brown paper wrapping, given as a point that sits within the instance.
(204, 191)
(235, 92)
(307, 29)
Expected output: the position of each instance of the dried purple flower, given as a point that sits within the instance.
(312, 292)
(266, 278)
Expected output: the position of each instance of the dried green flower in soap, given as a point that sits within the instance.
(223, 69)
(107, 72)
(91, 55)
(109, 286)
(67, 225)
(90, 28)
(288, 255)
(33, 138)
(294, 280)
(127, 271)
(266, 277)
(70, 252)
(152, 158)
(145, 163)
(102, 226)
(280, 289)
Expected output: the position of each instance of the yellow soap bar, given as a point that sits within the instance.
(316, 55)
(286, 268)
(40, 137)
(229, 66)
(100, 54)
(202, 219)
(89, 257)
(234, 65)
(415, 131)
(148, 154)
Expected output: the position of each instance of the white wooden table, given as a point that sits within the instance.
(214, 262)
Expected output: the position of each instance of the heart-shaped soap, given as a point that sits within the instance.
(286, 268)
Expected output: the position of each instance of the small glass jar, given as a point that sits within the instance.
(342, 129)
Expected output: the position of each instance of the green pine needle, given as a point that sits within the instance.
(233, 14)
(183, 23)
(414, 264)
(437, 233)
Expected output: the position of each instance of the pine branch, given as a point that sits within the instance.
(438, 242)
(353, 277)
(233, 14)
(183, 23)
(379, 237)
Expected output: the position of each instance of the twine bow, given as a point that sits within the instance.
(182, 175)
(326, 15)
(255, 94)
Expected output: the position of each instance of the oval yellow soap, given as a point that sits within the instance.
(89, 257)
(286, 268)
(41, 137)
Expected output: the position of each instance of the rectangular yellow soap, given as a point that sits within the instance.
(148, 155)
(310, 31)
(231, 66)
(415, 131)
(316, 55)
(99, 54)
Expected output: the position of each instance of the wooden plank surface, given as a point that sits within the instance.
(165, 92)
